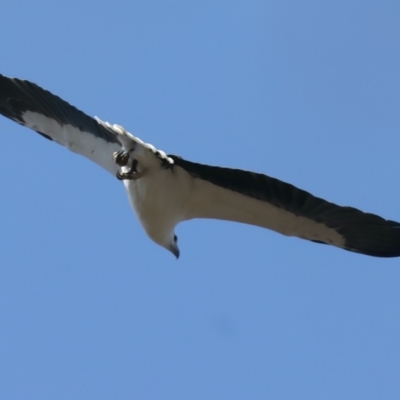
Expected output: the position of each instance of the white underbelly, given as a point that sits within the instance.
(159, 199)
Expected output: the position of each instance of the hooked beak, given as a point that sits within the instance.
(175, 251)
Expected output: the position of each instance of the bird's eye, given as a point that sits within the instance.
(175, 238)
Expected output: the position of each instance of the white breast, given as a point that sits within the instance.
(160, 199)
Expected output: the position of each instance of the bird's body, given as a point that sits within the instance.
(160, 199)
(165, 190)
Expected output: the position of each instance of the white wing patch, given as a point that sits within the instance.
(212, 201)
(88, 145)
(81, 142)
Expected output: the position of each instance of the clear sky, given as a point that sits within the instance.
(90, 308)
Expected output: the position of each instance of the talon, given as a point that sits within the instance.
(121, 158)
(129, 176)
(132, 174)
(124, 176)
(136, 175)
(133, 168)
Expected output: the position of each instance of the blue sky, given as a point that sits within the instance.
(90, 308)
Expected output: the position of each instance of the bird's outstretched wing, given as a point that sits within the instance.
(55, 119)
(257, 199)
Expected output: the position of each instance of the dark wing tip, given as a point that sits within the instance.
(371, 235)
(18, 96)
(7, 99)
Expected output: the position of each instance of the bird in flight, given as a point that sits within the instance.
(165, 190)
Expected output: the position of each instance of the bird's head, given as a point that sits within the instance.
(172, 244)
(165, 238)
(169, 242)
